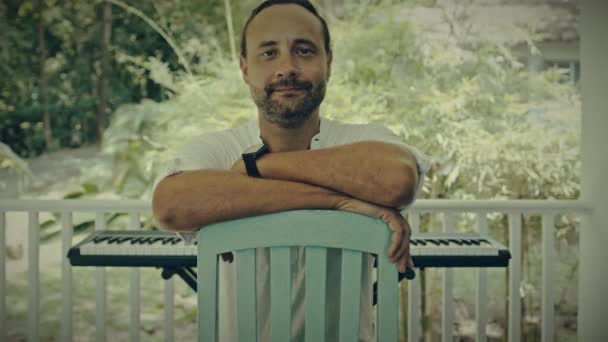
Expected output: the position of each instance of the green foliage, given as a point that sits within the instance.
(462, 99)
(72, 35)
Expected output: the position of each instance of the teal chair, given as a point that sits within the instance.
(316, 230)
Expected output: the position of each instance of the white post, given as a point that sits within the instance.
(3, 333)
(67, 308)
(481, 304)
(134, 291)
(447, 312)
(413, 293)
(33, 277)
(548, 280)
(515, 277)
(100, 289)
(593, 278)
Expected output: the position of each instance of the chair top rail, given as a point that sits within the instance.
(298, 228)
(427, 205)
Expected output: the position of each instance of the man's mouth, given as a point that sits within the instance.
(288, 89)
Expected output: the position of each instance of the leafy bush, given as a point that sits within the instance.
(461, 98)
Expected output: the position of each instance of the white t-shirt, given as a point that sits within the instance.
(220, 150)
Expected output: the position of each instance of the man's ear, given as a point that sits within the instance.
(244, 70)
(329, 59)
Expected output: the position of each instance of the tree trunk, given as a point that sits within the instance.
(46, 116)
(102, 97)
(228, 15)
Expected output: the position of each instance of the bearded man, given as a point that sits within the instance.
(290, 158)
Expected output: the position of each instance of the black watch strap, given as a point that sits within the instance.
(250, 158)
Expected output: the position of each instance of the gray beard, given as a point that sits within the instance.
(285, 117)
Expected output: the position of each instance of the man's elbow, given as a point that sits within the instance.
(164, 208)
(403, 190)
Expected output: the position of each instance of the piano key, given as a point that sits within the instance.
(136, 240)
(99, 239)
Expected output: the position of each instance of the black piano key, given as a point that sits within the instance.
(136, 240)
(157, 239)
(455, 241)
(114, 239)
(175, 240)
(474, 241)
(466, 242)
(100, 239)
(444, 242)
(123, 239)
(413, 242)
(422, 242)
(167, 240)
(433, 241)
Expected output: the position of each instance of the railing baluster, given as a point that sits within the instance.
(548, 325)
(514, 277)
(100, 289)
(66, 277)
(33, 272)
(482, 290)
(2, 276)
(413, 308)
(134, 291)
(447, 314)
(169, 302)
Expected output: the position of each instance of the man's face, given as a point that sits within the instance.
(286, 67)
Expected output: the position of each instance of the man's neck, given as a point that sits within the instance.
(280, 139)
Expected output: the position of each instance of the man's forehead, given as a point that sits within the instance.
(278, 22)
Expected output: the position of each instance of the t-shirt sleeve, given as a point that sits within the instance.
(381, 133)
(202, 152)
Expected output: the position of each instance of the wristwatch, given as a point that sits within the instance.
(251, 155)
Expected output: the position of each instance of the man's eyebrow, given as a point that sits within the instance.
(268, 43)
(305, 41)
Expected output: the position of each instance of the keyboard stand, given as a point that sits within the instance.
(186, 273)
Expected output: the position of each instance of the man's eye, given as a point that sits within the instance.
(268, 53)
(305, 51)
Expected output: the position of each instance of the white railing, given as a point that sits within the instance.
(450, 208)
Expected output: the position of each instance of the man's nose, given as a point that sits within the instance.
(287, 67)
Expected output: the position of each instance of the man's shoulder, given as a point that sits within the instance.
(244, 130)
(345, 132)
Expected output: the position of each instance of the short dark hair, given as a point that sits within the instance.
(304, 3)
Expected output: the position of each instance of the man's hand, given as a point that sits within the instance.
(399, 250)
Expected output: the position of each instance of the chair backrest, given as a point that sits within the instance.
(316, 230)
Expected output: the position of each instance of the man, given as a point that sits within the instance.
(296, 160)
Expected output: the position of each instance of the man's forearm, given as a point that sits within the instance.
(377, 172)
(191, 199)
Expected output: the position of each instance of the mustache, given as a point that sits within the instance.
(288, 83)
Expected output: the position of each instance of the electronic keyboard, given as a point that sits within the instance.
(149, 248)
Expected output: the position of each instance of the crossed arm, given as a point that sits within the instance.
(371, 178)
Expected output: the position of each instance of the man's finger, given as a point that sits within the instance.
(404, 245)
(402, 263)
(410, 262)
(395, 241)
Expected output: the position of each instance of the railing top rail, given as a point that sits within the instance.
(443, 205)
(76, 205)
(529, 206)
